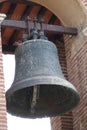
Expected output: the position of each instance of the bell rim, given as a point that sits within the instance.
(74, 100)
(40, 80)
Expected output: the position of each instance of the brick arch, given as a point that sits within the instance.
(71, 13)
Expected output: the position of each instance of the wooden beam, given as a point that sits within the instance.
(8, 49)
(46, 27)
(14, 24)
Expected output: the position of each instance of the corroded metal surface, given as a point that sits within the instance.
(39, 88)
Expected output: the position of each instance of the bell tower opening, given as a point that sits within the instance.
(57, 11)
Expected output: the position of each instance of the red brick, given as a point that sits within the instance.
(3, 117)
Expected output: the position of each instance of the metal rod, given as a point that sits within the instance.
(46, 27)
(34, 98)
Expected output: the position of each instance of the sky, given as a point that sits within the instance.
(15, 123)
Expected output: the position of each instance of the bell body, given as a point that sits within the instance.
(39, 88)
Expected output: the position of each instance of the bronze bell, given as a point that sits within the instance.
(39, 88)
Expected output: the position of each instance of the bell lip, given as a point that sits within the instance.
(76, 103)
(40, 80)
(51, 81)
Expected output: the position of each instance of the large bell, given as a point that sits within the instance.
(39, 88)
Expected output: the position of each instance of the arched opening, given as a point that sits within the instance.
(70, 12)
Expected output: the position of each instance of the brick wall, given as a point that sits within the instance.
(3, 118)
(75, 54)
(64, 122)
